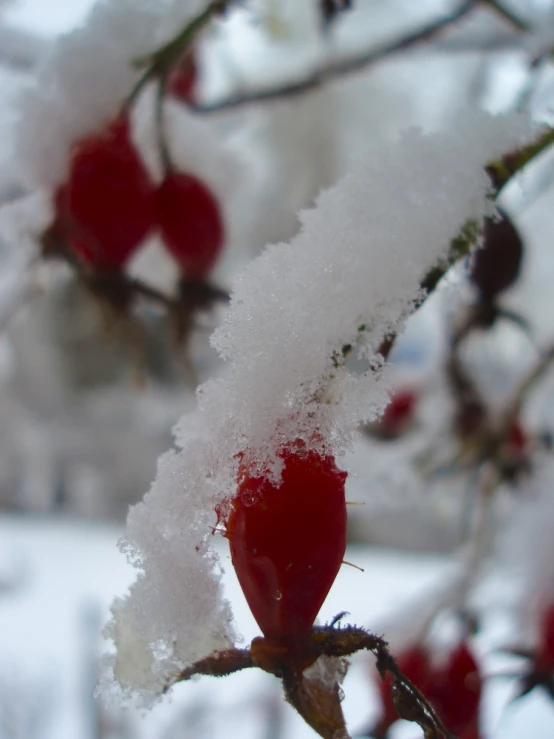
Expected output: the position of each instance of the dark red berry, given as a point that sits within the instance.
(455, 690)
(414, 663)
(191, 223)
(182, 80)
(397, 417)
(107, 205)
(400, 408)
(517, 439)
(544, 659)
(287, 542)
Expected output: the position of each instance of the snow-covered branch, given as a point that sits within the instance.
(357, 261)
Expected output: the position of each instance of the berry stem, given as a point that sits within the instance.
(163, 145)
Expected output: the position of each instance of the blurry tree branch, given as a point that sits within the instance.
(366, 59)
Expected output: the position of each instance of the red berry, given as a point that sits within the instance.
(191, 223)
(544, 659)
(455, 690)
(471, 731)
(414, 663)
(516, 441)
(182, 80)
(287, 542)
(400, 408)
(107, 206)
(397, 416)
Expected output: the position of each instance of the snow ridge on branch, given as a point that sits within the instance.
(350, 275)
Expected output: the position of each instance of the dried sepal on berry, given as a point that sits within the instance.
(306, 689)
(317, 695)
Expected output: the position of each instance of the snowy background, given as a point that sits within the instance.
(78, 442)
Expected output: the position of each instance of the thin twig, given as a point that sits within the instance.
(158, 64)
(514, 20)
(527, 383)
(163, 147)
(345, 67)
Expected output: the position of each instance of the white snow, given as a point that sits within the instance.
(66, 572)
(357, 260)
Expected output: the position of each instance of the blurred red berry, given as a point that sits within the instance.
(287, 543)
(400, 408)
(107, 205)
(182, 80)
(414, 663)
(397, 417)
(544, 657)
(191, 223)
(516, 439)
(455, 690)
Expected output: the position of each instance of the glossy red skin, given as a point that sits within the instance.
(288, 542)
(191, 223)
(107, 206)
(455, 691)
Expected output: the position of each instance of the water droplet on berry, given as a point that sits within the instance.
(278, 595)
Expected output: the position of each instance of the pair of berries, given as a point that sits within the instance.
(452, 687)
(109, 205)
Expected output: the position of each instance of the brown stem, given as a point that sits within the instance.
(158, 64)
(219, 664)
(161, 134)
(514, 20)
(147, 291)
(526, 384)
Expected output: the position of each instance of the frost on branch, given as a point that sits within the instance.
(351, 274)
